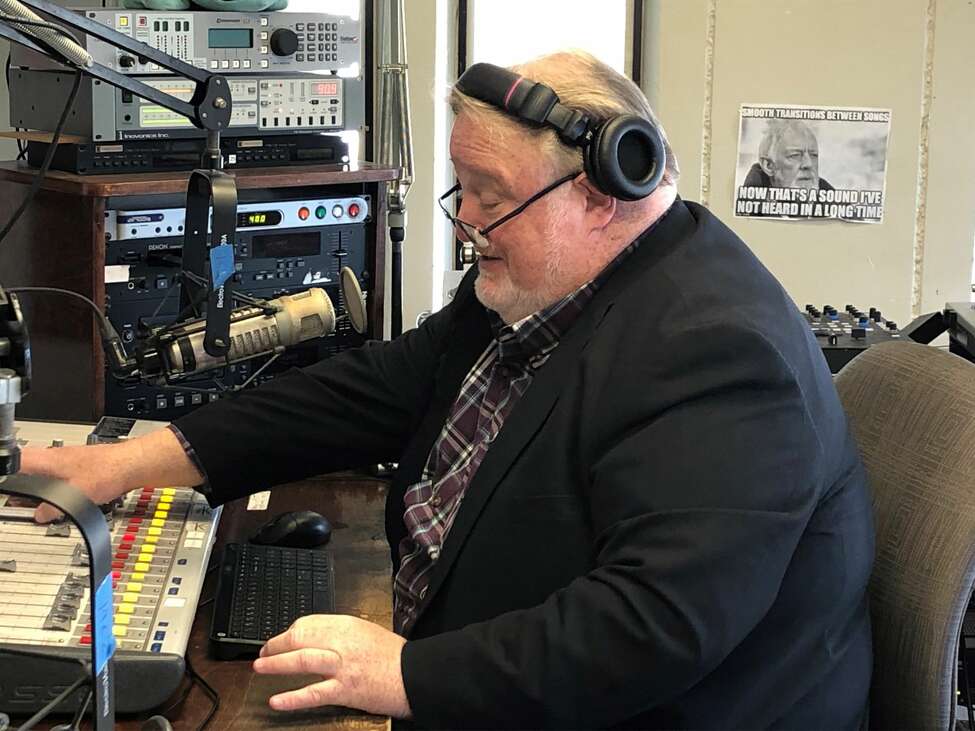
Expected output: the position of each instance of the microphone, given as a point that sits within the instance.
(59, 41)
(254, 331)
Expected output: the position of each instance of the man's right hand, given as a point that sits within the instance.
(106, 471)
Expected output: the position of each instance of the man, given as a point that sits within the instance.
(626, 495)
(788, 157)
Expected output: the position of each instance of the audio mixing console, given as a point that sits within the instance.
(161, 540)
(844, 335)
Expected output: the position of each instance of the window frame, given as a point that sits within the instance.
(633, 54)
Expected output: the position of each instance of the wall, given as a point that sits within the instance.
(706, 57)
(426, 254)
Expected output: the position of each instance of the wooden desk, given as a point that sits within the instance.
(354, 506)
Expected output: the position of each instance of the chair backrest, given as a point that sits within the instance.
(911, 409)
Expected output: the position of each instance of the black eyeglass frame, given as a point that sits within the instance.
(470, 229)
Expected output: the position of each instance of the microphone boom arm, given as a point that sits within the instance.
(210, 106)
(209, 109)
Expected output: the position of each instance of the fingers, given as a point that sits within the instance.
(284, 642)
(47, 513)
(311, 696)
(310, 661)
(305, 632)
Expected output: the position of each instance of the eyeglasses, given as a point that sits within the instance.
(478, 236)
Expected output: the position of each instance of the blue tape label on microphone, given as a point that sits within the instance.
(103, 638)
(221, 264)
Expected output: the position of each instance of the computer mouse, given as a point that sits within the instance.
(301, 529)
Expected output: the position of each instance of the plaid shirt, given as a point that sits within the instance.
(499, 378)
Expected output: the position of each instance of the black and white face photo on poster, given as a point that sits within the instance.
(800, 163)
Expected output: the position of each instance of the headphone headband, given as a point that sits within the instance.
(624, 156)
(530, 101)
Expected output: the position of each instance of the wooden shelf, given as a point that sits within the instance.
(106, 186)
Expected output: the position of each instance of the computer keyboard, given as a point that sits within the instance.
(262, 590)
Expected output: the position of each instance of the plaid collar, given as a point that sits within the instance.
(532, 339)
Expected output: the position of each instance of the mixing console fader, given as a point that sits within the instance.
(844, 335)
(161, 541)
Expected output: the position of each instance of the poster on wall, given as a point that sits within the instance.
(800, 163)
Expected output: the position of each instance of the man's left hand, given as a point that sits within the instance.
(359, 662)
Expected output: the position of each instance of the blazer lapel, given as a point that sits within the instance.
(531, 412)
(521, 425)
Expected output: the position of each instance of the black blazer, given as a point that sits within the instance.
(672, 530)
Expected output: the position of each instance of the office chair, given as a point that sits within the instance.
(911, 408)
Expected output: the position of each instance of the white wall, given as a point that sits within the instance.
(703, 58)
(429, 50)
(912, 56)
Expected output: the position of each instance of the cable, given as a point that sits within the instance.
(21, 144)
(37, 23)
(79, 714)
(182, 697)
(63, 47)
(103, 320)
(214, 565)
(208, 689)
(36, 184)
(39, 716)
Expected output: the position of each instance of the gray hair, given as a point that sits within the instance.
(775, 131)
(582, 82)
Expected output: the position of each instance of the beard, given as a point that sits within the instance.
(498, 292)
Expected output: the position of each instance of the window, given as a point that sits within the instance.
(505, 32)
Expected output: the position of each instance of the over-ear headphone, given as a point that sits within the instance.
(623, 156)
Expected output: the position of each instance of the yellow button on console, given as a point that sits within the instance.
(126, 608)
(155, 532)
(119, 630)
(123, 618)
(142, 566)
(138, 576)
(169, 491)
(157, 523)
(133, 586)
(151, 539)
(130, 597)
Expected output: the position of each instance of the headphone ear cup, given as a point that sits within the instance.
(626, 157)
(592, 161)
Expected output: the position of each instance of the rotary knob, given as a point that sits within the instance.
(284, 42)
